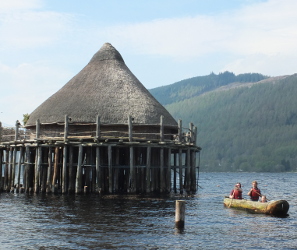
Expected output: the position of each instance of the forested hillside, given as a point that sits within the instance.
(196, 86)
(248, 128)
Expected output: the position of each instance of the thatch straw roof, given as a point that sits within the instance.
(105, 86)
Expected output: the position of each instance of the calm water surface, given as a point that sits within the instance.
(93, 222)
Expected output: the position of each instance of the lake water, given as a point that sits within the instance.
(94, 222)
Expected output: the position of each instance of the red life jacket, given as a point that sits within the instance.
(255, 194)
(237, 194)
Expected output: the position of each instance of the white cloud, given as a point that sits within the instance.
(268, 28)
(26, 26)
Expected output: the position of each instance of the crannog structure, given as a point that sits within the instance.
(102, 132)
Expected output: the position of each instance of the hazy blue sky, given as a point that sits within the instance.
(44, 43)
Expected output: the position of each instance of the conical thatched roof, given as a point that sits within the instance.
(105, 86)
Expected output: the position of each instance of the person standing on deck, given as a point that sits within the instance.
(236, 193)
(255, 192)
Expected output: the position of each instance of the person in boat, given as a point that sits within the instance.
(255, 192)
(236, 193)
(263, 198)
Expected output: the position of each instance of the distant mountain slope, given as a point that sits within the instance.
(195, 86)
(244, 127)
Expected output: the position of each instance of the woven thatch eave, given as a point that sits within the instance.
(104, 87)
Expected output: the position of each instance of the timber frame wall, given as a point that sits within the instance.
(109, 164)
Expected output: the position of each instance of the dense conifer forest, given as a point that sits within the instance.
(246, 122)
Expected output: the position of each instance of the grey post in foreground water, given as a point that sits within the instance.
(180, 207)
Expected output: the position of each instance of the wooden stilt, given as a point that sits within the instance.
(148, 169)
(64, 169)
(168, 175)
(19, 168)
(162, 179)
(98, 175)
(180, 165)
(132, 171)
(37, 169)
(188, 167)
(78, 183)
(56, 170)
(49, 170)
(71, 171)
(110, 176)
(1, 163)
(13, 168)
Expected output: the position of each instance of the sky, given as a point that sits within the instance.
(44, 43)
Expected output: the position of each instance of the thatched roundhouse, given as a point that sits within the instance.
(102, 132)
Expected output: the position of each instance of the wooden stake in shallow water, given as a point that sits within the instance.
(180, 207)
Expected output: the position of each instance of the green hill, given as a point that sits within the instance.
(242, 126)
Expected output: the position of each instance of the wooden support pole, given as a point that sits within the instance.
(98, 127)
(188, 172)
(130, 128)
(116, 170)
(37, 129)
(174, 173)
(168, 175)
(6, 169)
(148, 169)
(64, 169)
(193, 171)
(180, 164)
(162, 179)
(110, 176)
(78, 183)
(1, 162)
(17, 126)
(19, 168)
(13, 168)
(132, 171)
(37, 169)
(10, 169)
(56, 170)
(27, 170)
(195, 136)
(180, 208)
(49, 171)
(180, 131)
(66, 129)
(71, 181)
(98, 171)
(191, 129)
(161, 128)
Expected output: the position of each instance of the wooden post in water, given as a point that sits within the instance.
(180, 208)
(71, 179)
(49, 171)
(13, 168)
(110, 176)
(56, 170)
(78, 183)
(168, 175)
(27, 170)
(64, 170)
(148, 169)
(98, 173)
(1, 162)
(180, 165)
(188, 172)
(162, 181)
(19, 169)
(37, 169)
(132, 171)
